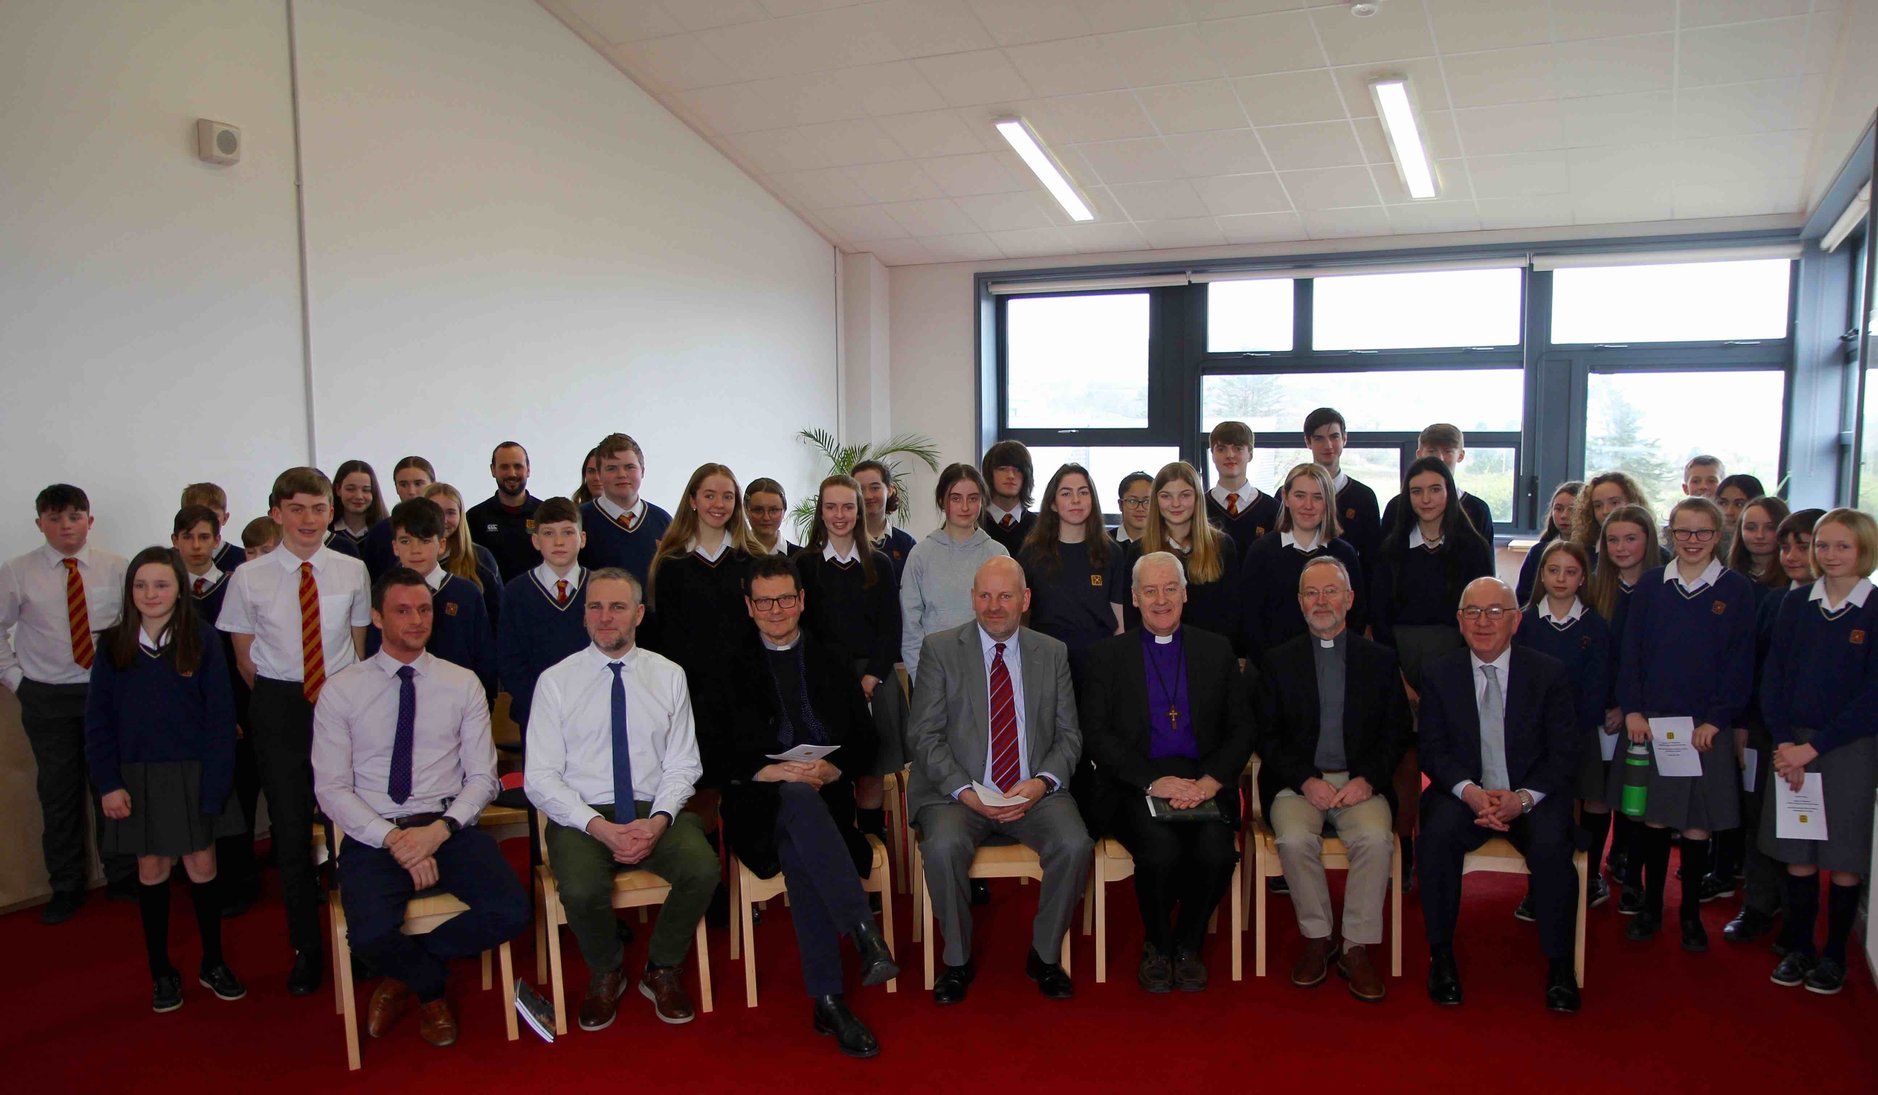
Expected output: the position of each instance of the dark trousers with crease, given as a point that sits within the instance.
(1182, 869)
(825, 896)
(1544, 837)
(53, 716)
(282, 729)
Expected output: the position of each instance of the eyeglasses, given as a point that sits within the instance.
(1136, 503)
(1473, 613)
(766, 604)
(1699, 535)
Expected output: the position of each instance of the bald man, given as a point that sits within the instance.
(1499, 748)
(993, 708)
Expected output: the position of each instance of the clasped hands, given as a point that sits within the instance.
(1637, 727)
(1790, 762)
(1323, 796)
(1184, 794)
(632, 842)
(1031, 790)
(416, 849)
(1492, 809)
(812, 772)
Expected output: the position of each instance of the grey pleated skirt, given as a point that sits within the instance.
(889, 705)
(1418, 644)
(1709, 802)
(165, 812)
(1848, 776)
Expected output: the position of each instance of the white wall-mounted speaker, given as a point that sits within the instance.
(218, 142)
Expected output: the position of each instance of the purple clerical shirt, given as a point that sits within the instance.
(1170, 716)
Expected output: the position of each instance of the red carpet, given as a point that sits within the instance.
(76, 1015)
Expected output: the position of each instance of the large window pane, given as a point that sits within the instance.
(1487, 474)
(1650, 424)
(1473, 399)
(1078, 361)
(1680, 302)
(1107, 466)
(1868, 459)
(1431, 308)
(1248, 315)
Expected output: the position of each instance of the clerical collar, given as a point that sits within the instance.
(1334, 641)
(1161, 640)
(793, 643)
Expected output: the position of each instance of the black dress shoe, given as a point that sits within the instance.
(877, 964)
(1713, 887)
(981, 892)
(239, 899)
(949, 987)
(1747, 926)
(166, 994)
(1629, 901)
(1276, 884)
(1600, 893)
(851, 1035)
(1793, 970)
(1561, 989)
(1524, 910)
(1827, 978)
(1444, 980)
(304, 980)
(1643, 927)
(1051, 980)
(63, 906)
(1694, 935)
(1156, 971)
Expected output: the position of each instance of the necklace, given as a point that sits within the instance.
(1171, 690)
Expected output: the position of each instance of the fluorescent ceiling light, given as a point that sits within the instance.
(1854, 215)
(1405, 138)
(1025, 143)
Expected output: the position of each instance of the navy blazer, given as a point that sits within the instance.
(1542, 734)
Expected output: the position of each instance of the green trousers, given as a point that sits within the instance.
(584, 870)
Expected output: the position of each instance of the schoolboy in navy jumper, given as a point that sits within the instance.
(1688, 650)
(359, 504)
(227, 556)
(881, 501)
(460, 632)
(541, 620)
(623, 529)
(160, 742)
(1307, 529)
(53, 601)
(1010, 479)
(1076, 575)
(1234, 506)
(409, 478)
(504, 522)
(1449, 444)
(1325, 433)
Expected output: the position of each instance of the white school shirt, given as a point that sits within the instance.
(33, 609)
(614, 513)
(264, 601)
(1673, 573)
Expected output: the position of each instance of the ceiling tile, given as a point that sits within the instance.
(1226, 152)
(1451, 183)
(1618, 205)
(1610, 18)
(1005, 212)
(1262, 227)
(1424, 217)
(803, 43)
(860, 222)
(1738, 197)
(798, 7)
(1537, 212)
(808, 98)
(898, 181)
(1105, 16)
(1159, 201)
(1462, 25)
(1745, 51)
(777, 150)
(926, 28)
(1602, 179)
(702, 14)
(1613, 66)
(1326, 224)
(1186, 232)
(1330, 188)
(937, 133)
(895, 252)
(1825, 31)
(1427, 86)
(1282, 42)
(1744, 156)
(1396, 30)
(623, 20)
(1520, 174)
(967, 79)
(1130, 161)
(1701, 13)
(937, 217)
(1642, 118)
(1012, 22)
(1228, 195)
(855, 141)
(1068, 67)
(1313, 144)
(1192, 108)
(979, 173)
(1074, 119)
(824, 189)
(1286, 98)
(1231, 9)
(1031, 242)
(733, 108)
(1097, 237)
(677, 63)
(1161, 55)
(1759, 107)
(892, 88)
(1516, 127)
(1500, 76)
(964, 247)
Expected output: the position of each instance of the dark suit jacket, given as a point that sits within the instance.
(1115, 727)
(754, 730)
(1376, 726)
(1541, 723)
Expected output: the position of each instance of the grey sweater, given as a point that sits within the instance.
(936, 587)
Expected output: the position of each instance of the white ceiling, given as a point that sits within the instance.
(1202, 122)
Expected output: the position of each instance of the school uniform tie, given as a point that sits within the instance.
(200, 585)
(312, 654)
(625, 521)
(1004, 745)
(1493, 734)
(78, 616)
(1232, 504)
(399, 785)
(1006, 521)
(560, 592)
(623, 810)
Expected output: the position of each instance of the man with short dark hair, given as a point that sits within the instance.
(623, 529)
(1007, 516)
(504, 522)
(1233, 505)
(1357, 512)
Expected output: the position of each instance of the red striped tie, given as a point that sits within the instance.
(201, 584)
(312, 653)
(560, 592)
(82, 651)
(1232, 504)
(1005, 768)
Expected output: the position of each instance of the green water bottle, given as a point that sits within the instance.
(1636, 778)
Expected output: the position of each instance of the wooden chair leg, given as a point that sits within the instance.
(1258, 905)
(508, 990)
(337, 923)
(922, 927)
(1099, 911)
(1068, 935)
(916, 886)
(1088, 896)
(744, 920)
(1238, 936)
(1578, 944)
(704, 970)
(886, 916)
(556, 980)
(542, 928)
(488, 971)
(737, 929)
(1395, 910)
(349, 1008)
(896, 832)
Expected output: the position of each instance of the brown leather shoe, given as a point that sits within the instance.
(602, 1001)
(1365, 980)
(435, 1022)
(1314, 964)
(668, 998)
(390, 1000)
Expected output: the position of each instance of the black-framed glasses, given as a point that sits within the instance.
(1699, 535)
(766, 604)
(1496, 613)
(1136, 503)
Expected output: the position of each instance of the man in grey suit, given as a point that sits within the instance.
(993, 705)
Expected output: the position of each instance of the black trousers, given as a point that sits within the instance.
(53, 716)
(1182, 869)
(1544, 837)
(281, 726)
(825, 896)
(234, 855)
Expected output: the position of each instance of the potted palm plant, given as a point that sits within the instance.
(842, 458)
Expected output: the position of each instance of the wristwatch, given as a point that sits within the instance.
(1525, 800)
(452, 824)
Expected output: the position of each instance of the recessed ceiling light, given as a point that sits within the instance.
(1405, 138)
(1363, 10)
(1025, 143)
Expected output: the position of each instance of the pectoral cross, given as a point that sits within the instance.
(1173, 718)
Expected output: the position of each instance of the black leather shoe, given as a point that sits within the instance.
(1715, 886)
(1524, 910)
(304, 980)
(981, 892)
(949, 987)
(1444, 980)
(1561, 989)
(1189, 970)
(1827, 978)
(63, 906)
(1694, 935)
(1050, 978)
(1643, 927)
(1793, 970)
(166, 994)
(1156, 971)
(1747, 926)
(1629, 901)
(851, 1035)
(1600, 893)
(1276, 884)
(221, 981)
(877, 964)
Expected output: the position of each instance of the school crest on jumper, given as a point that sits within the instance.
(1349, 514)
(1719, 607)
(1858, 636)
(1095, 579)
(449, 608)
(527, 522)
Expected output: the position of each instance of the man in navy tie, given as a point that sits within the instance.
(403, 764)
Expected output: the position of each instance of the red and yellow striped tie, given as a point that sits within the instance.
(312, 655)
(82, 650)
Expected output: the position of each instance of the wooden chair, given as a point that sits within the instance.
(893, 799)
(422, 914)
(1265, 864)
(747, 891)
(990, 861)
(1114, 863)
(1499, 856)
(632, 889)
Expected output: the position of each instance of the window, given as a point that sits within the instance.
(1247, 316)
(1399, 401)
(1077, 361)
(1419, 309)
(1107, 466)
(1678, 302)
(1378, 468)
(1650, 423)
(1487, 474)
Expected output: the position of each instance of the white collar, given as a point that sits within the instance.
(1416, 539)
(436, 578)
(1856, 598)
(829, 552)
(547, 577)
(213, 576)
(50, 553)
(767, 645)
(782, 544)
(1340, 481)
(997, 513)
(1545, 611)
(1121, 535)
(1162, 640)
(290, 562)
(722, 546)
(614, 513)
(1673, 573)
(1289, 539)
(986, 642)
(1248, 494)
(143, 640)
(1500, 663)
(601, 660)
(389, 665)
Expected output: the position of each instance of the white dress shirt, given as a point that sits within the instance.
(264, 601)
(709, 556)
(1014, 662)
(829, 553)
(1290, 540)
(1248, 494)
(32, 608)
(995, 514)
(1416, 539)
(1855, 598)
(570, 736)
(1673, 573)
(1545, 612)
(209, 578)
(1339, 481)
(545, 577)
(1501, 664)
(614, 513)
(355, 726)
